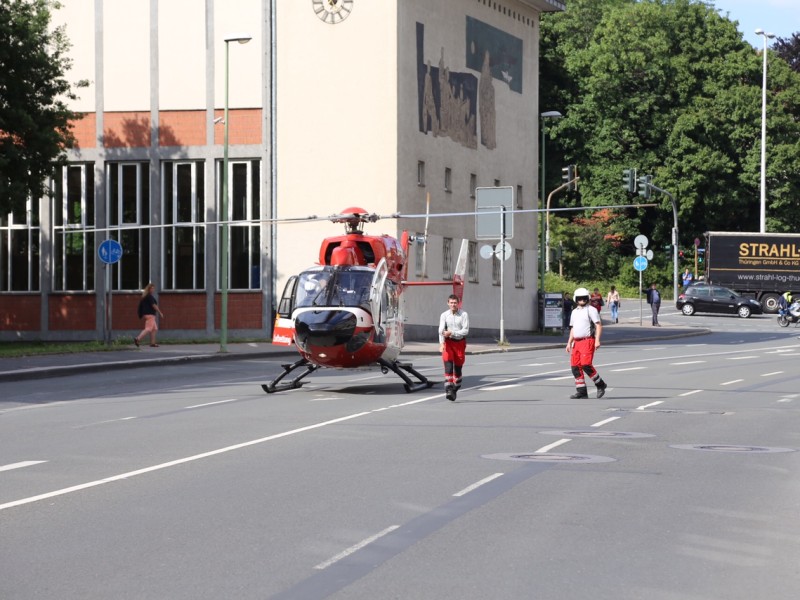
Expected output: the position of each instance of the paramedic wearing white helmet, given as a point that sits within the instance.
(584, 337)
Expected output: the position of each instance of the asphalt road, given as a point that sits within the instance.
(188, 482)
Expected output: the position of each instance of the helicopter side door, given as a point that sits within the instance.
(283, 330)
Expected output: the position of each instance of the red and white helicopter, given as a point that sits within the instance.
(347, 312)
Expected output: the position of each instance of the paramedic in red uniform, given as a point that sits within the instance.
(584, 337)
(453, 332)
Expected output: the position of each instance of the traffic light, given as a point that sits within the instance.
(629, 180)
(701, 252)
(644, 186)
(568, 175)
(667, 250)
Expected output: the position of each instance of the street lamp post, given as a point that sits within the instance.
(550, 114)
(223, 333)
(763, 214)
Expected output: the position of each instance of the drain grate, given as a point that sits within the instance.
(552, 458)
(731, 448)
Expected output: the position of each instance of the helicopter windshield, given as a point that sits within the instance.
(339, 286)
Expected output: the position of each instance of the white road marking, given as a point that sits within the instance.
(656, 403)
(773, 373)
(494, 388)
(356, 548)
(179, 461)
(544, 449)
(690, 392)
(786, 400)
(628, 369)
(538, 364)
(601, 423)
(732, 381)
(559, 378)
(688, 362)
(105, 422)
(478, 484)
(740, 357)
(325, 399)
(212, 403)
(20, 465)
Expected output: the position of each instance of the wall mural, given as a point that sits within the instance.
(447, 100)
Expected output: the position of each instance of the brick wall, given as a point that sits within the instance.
(182, 128)
(126, 129)
(84, 130)
(20, 312)
(71, 313)
(182, 311)
(244, 127)
(245, 310)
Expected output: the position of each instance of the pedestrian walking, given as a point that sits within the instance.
(585, 329)
(687, 278)
(613, 303)
(654, 300)
(453, 332)
(596, 300)
(148, 309)
(566, 311)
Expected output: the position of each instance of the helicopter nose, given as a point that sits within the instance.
(324, 328)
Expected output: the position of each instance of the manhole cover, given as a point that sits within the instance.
(553, 458)
(730, 448)
(596, 433)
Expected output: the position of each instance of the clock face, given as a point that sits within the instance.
(332, 11)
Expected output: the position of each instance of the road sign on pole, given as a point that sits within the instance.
(490, 204)
(110, 251)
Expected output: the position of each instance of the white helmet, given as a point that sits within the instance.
(580, 293)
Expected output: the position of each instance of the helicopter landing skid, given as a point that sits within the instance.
(398, 368)
(275, 385)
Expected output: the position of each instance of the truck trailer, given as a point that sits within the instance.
(759, 265)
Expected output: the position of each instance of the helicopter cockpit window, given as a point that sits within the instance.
(341, 287)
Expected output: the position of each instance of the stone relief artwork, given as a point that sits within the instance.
(504, 50)
(447, 100)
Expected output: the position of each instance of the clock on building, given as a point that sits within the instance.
(332, 11)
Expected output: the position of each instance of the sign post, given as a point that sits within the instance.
(109, 252)
(494, 219)
(640, 264)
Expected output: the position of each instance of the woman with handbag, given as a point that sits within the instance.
(613, 302)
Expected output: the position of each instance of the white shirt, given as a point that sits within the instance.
(581, 321)
(457, 323)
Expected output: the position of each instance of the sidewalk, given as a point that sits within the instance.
(57, 365)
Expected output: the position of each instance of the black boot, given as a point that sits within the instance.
(579, 393)
(601, 388)
(450, 392)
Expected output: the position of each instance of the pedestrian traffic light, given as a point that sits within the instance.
(568, 175)
(644, 186)
(629, 180)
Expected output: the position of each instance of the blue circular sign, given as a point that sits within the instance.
(110, 251)
(640, 263)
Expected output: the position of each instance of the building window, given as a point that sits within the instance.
(421, 173)
(244, 231)
(495, 270)
(73, 214)
(519, 268)
(419, 254)
(472, 262)
(184, 233)
(19, 249)
(447, 258)
(473, 183)
(448, 174)
(128, 197)
(519, 197)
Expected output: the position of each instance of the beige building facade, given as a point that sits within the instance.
(332, 104)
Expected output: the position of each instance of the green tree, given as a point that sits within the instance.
(789, 50)
(34, 117)
(669, 87)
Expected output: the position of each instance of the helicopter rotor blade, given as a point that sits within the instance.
(425, 237)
